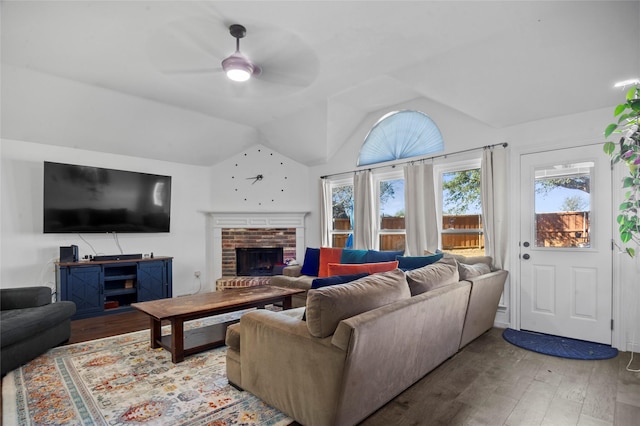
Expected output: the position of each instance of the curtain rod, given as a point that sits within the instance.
(503, 144)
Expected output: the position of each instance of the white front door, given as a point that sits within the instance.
(565, 243)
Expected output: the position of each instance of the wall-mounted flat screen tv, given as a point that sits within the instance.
(92, 199)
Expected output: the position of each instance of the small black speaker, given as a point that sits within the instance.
(69, 254)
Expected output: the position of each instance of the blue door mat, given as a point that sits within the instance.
(562, 347)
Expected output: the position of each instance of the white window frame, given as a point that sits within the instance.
(394, 174)
(334, 183)
(441, 169)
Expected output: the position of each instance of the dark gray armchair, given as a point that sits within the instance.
(30, 324)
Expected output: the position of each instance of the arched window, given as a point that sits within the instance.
(400, 134)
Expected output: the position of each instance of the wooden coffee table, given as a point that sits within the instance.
(187, 308)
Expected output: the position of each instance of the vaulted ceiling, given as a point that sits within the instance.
(143, 78)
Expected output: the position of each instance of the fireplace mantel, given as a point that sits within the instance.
(217, 221)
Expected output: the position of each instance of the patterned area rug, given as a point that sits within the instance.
(562, 347)
(122, 381)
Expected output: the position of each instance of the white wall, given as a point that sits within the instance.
(27, 255)
(284, 186)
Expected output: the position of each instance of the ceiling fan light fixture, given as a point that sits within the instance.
(238, 67)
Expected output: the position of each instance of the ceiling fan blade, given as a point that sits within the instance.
(204, 33)
(189, 44)
(204, 70)
(284, 59)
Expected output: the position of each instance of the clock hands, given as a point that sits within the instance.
(256, 178)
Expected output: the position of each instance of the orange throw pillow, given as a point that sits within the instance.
(357, 268)
(328, 255)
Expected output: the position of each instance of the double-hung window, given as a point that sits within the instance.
(461, 208)
(390, 205)
(341, 228)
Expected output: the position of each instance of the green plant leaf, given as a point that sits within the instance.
(625, 206)
(623, 117)
(631, 93)
(610, 128)
(627, 182)
(635, 104)
(615, 158)
(619, 109)
(625, 237)
(620, 219)
(609, 147)
(630, 251)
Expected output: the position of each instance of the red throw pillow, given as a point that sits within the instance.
(328, 255)
(358, 268)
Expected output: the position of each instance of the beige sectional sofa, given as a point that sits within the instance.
(362, 343)
(292, 278)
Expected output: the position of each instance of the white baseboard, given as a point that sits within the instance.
(631, 346)
(502, 318)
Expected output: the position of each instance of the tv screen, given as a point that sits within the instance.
(92, 199)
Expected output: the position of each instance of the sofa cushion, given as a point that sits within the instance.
(336, 279)
(470, 260)
(20, 324)
(353, 256)
(468, 265)
(471, 271)
(333, 280)
(328, 255)
(327, 306)
(370, 268)
(438, 274)
(311, 263)
(375, 256)
(407, 263)
(24, 297)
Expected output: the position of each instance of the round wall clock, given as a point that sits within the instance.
(259, 177)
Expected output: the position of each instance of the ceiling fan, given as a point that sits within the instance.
(237, 66)
(279, 62)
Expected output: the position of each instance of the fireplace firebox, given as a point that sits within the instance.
(258, 261)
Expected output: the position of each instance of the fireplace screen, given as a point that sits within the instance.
(258, 261)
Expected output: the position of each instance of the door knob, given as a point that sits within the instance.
(526, 244)
(525, 256)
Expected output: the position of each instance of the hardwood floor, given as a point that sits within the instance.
(489, 382)
(107, 325)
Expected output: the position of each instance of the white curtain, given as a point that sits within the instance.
(421, 220)
(493, 183)
(364, 217)
(326, 212)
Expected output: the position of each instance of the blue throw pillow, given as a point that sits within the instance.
(375, 256)
(311, 263)
(353, 256)
(407, 263)
(336, 279)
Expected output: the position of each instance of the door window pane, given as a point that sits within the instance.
(562, 205)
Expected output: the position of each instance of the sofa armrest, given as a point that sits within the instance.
(486, 291)
(292, 271)
(288, 368)
(24, 297)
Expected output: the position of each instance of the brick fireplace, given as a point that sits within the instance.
(251, 230)
(259, 238)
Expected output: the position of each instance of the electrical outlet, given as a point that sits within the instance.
(196, 274)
